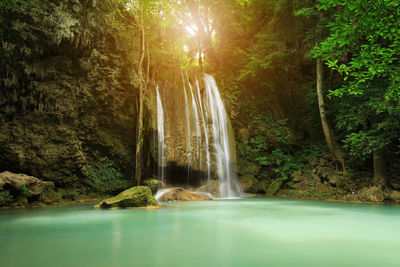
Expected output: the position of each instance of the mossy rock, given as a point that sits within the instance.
(153, 184)
(139, 196)
(373, 194)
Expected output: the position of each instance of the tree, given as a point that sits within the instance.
(363, 48)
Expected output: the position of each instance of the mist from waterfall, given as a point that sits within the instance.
(161, 140)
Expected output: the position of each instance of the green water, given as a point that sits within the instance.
(243, 232)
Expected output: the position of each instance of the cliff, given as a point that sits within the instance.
(68, 92)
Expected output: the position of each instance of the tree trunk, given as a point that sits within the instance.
(142, 85)
(380, 178)
(333, 147)
(204, 38)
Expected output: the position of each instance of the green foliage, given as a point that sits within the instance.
(4, 196)
(267, 134)
(363, 44)
(271, 146)
(362, 47)
(10, 3)
(104, 177)
(25, 189)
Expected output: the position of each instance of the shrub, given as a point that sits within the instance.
(104, 177)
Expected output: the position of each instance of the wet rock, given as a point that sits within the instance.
(374, 194)
(22, 190)
(212, 187)
(139, 196)
(180, 194)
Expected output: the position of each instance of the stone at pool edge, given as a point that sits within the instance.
(138, 196)
(180, 194)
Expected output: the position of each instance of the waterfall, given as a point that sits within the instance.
(160, 130)
(205, 130)
(196, 121)
(208, 150)
(188, 130)
(229, 186)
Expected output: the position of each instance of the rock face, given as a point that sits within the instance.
(22, 190)
(139, 196)
(67, 89)
(248, 182)
(179, 194)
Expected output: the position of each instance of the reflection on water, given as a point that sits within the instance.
(243, 232)
(116, 239)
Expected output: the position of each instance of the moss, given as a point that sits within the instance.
(153, 184)
(139, 196)
(5, 197)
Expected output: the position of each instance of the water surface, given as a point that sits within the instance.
(241, 232)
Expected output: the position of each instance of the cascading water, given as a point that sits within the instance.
(229, 186)
(160, 130)
(188, 130)
(201, 130)
(196, 121)
(205, 129)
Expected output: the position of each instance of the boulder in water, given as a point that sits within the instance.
(138, 196)
(180, 194)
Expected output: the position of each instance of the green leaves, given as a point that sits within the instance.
(104, 177)
(363, 41)
(11, 3)
(360, 44)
